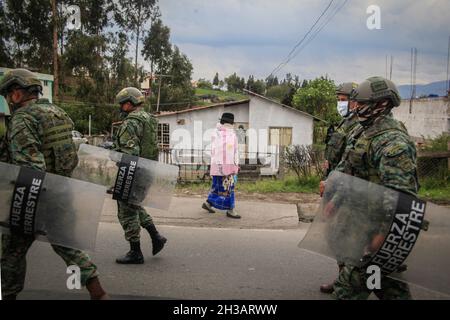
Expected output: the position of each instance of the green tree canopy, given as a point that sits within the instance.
(318, 98)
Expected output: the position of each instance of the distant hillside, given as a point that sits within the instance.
(434, 88)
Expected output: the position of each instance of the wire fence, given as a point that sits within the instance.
(195, 164)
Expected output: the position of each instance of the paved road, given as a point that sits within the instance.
(198, 263)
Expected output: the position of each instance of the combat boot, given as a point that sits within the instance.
(158, 241)
(95, 289)
(134, 256)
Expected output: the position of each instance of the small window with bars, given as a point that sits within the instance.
(163, 135)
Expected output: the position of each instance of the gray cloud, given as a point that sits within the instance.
(253, 36)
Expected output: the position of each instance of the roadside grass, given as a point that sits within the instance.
(432, 189)
(290, 184)
(435, 189)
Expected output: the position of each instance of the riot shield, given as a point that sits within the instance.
(133, 180)
(364, 224)
(49, 207)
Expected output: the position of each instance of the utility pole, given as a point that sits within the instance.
(392, 63)
(160, 77)
(55, 49)
(448, 68)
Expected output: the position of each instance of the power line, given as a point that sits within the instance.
(303, 39)
(337, 9)
(330, 17)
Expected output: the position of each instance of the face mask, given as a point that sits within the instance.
(342, 108)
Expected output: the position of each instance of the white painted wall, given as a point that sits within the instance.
(261, 114)
(264, 114)
(429, 118)
(199, 125)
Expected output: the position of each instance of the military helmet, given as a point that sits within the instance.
(346, 88)
(130, 94)
(23, 78)
(377, 89)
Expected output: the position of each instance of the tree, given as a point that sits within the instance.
(235, 83)
(204, 84)
(131, 15)
(271, 81)
(157, 48)
(5, 56)
(216, 80)
(318, 98)
(278, 92)
(27, 29)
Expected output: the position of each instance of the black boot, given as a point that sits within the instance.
(134, 256)
(158, 241)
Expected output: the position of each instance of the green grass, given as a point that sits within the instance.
(220, 94)
(435, 189)
(287, 185)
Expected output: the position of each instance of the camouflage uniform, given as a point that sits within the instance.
(335, 145)
(382, 153)
(40, 137)
(136, 136)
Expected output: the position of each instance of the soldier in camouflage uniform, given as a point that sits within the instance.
(337, 140)
(136, 136)
(5, 114)
(38, 137)
(379, 151)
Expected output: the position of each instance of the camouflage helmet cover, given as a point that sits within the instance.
(130, 94)
(20, 77)
(346, 88)
(377, 89)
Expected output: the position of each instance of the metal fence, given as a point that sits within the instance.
(194, 164)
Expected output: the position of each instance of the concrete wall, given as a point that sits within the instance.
(265, 114)
(199, 125)
(429, 117)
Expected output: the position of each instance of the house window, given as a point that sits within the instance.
(163, 135)
(280, 136)
(45, 83)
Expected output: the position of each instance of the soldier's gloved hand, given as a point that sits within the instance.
(329, 210)
(322, 186)
(110, 190)
(377, 242)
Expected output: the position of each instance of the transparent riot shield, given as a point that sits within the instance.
(133, 180)
(365, 224)
(48, 207)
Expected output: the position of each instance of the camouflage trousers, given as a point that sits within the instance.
(14, 265)
(351, 284)
(132, 218)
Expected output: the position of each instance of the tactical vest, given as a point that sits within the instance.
(149, 140)
(358, 161)
(55, 132)
(336, 144)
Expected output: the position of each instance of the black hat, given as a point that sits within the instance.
(227, 118)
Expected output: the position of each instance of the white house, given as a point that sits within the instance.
(47, 81)
(262, 125)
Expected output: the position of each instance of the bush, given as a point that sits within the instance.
(103, 115)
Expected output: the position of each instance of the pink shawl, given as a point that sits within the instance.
(224, 151)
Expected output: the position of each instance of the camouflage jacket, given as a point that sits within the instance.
(382, 153)
(40, 136)
(3, 148)
(138, 135)
(335, 144)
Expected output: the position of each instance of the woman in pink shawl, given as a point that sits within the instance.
(224, 167)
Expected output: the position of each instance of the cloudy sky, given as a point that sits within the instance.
(254, 36)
